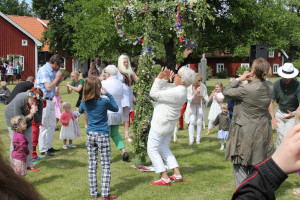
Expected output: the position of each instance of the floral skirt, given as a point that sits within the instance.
(19, 167)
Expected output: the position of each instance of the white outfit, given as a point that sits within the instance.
(169, 100)
(215, 109)
(127, 101)
(48, 127)
(75, 122)
(115, 88)
(67, 132)
(196, 106)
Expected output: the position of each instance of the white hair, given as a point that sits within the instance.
(187, 75)
(121, 66)
(111, 69)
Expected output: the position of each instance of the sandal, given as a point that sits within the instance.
(296, 191)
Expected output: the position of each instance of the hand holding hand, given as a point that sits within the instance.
(287, 156)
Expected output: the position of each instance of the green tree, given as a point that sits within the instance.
(14, 7)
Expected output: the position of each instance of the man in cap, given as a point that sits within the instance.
(287, 95)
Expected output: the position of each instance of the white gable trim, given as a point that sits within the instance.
(36, 41)
(284, 53)
(42, 22)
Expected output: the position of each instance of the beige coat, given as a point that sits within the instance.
(190, 105)
(250, 138)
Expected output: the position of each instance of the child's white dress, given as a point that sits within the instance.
(68, 132)
(215, 107)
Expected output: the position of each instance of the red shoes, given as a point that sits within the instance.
(161, 182)
(111, 196)
(33, 169)
(177, 179)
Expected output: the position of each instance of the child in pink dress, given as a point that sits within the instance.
(20, 143)
(57, 105)
(67, 131)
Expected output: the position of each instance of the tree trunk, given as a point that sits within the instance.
(170, 56)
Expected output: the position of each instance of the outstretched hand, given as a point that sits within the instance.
(164, 73)
(287, 156)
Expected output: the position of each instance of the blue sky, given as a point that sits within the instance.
(28, 1)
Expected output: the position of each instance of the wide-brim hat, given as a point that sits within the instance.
(287, 71)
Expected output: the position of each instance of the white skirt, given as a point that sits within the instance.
(68, 132)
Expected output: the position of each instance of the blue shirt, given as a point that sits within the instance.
(46, 74)
(96, 111)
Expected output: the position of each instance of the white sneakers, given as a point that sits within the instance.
(65, 146)
(70, 145)
(222, 147)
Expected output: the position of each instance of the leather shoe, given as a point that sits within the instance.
(111, 196)
(53, 150)
(47, 153)
(33, 169)
(125, 156)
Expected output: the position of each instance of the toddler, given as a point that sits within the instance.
(67, 131)
(57, 105)
(20, 145)
(223, 120)
(217, 98)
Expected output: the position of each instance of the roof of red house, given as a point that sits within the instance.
(32, 25)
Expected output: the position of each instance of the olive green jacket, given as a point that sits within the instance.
(250, 138)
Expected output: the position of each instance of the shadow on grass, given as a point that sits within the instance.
(193, 169)
(60, 163)
(45, 180)
(129, 183)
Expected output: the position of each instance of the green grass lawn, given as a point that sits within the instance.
(207, 175)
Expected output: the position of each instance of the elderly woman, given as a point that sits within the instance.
(250, 139)
(169, 98)
(196, 108)
(287, 95)
(115, 88)
(30, 105)
(93, 71)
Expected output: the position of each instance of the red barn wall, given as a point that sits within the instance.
(11, 44)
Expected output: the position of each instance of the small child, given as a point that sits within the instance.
(223, 120)
(20, 143)
(57, 105)
(217, 98)
(98, 134)
(67, 131)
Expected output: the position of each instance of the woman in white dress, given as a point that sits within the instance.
(196, 107)
(217, 98)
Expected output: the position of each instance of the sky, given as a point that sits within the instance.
(28, 1)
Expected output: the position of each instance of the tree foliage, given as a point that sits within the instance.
(14, 7)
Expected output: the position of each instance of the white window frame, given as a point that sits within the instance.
(275, 68)
(271, 53)
(64, 64)
(245, 65)
(220, 67)
(16, 58)
(279, 54)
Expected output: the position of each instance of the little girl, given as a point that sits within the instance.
(67, 131)
(217, 98)
(20, 143)
(98, 134)
(223, 120)
(57, 105)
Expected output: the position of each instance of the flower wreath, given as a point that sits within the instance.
(36, 96)
(15, 126)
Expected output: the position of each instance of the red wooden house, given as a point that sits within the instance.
(220, 61)
(20, 40)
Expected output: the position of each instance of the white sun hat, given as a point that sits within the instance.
(287, 71)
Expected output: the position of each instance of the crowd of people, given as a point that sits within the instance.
(106, 100)
(8, 70)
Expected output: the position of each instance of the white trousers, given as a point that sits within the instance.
(196, 111)
(284, 125)
(158, 148)
(47, 128)
(28, 135)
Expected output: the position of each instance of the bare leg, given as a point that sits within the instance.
(164, 175)
(176, 171)
(70, 142)
(65, 142)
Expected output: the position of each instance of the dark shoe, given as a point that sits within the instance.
(47, 153)
(125, 156)
(111, 196)
(53, 150)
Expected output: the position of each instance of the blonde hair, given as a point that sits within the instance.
(198, 79)
(297, 117)
(77, 75)
(93, 65)
(91, 90)
(224, 105)
(121, 66)
(65, 104)
(15, 122)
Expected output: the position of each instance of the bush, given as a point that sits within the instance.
(65, 73)
(156, 70)
(297, 64)
(223, 74)
(208, 72)
(241, 69)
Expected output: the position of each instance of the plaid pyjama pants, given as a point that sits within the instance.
(98, 142)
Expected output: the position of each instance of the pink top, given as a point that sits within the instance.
(65, 118)
(20, 143)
